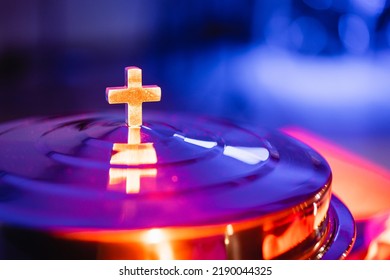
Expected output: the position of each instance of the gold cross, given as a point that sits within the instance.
(133, 94)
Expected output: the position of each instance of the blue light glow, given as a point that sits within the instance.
(372, 7)
(354, 33)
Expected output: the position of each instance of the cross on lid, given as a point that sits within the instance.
(133, 94)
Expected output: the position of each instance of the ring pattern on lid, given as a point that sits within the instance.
(92, 177)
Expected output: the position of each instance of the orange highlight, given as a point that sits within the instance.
(362, 185)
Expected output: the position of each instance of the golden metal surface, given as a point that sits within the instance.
(281, 235)
(133, 94)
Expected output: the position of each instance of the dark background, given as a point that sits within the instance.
(323, 65)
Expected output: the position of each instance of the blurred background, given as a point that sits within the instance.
(322, 65)
(319, 65)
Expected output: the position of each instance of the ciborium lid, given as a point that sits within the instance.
(171, 178)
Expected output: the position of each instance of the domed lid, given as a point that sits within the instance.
(83, 171)
(97, 171)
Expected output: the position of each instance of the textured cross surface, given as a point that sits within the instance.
(133, 94)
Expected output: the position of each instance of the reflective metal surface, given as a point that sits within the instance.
(176, 182)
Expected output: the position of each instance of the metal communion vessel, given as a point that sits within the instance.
(165, 186)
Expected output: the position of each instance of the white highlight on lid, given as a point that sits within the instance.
(249, 155)
(200, 143)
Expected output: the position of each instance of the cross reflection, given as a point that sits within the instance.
(132, 154)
